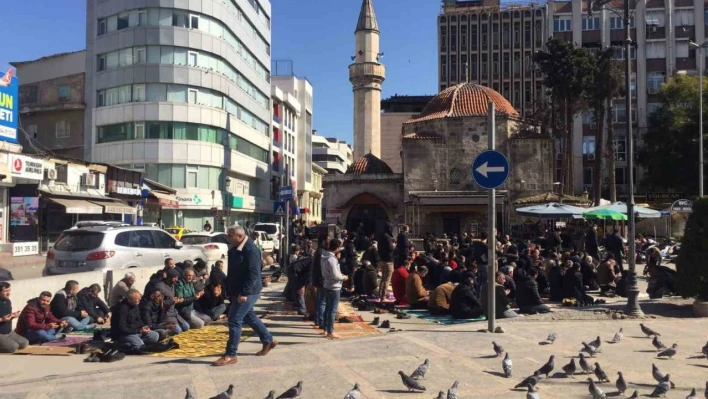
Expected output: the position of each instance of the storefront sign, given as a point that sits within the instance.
(664, 197)
(334, 213)
(25, 248)
(127, 191)
(243, 202)
(25, 167)
(193, 200)
(682, 206)
(9, 104)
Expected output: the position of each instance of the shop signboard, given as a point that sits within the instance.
(9, 105)
(24, 167)
(664, 197)
(25, 248)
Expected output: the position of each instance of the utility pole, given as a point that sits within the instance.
(492, 223)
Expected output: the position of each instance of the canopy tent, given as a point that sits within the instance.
(639, 211)
(604, 214)
(550, 197)
(551, 210)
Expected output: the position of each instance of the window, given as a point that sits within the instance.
(506, 65)
(443, 38)
(138, 93)
(654, 82)
(142, 17)
(484, 36)
(527, 93)
(517, 33)
(517, 63)
(194, 21)
(101, 63)
(588, 117)
(653, 107)
(61, 129)
(591, 23)
(464, 67)
(101, 98)
(621, 176)
(64, 93)
(453, 68)
(102, 27)
(618, 23)
(123, 21)
(683, 17)
(139, 130)
(192, 96)
(443, 67)
(621, 148)
(123, 239)
(619, 113)
(588, 145)
(656, 50)
(485, 66)
(142, 239)
(140, 55)
(681, 49)
(192, 176)
(192, 58)
(495, 35)
(163, 240)
(620, 51)
(587, 176)
(561, 24)
(32, 131)
(656, 18)
(453, 38)
(473, 37)
(463, 37)
(527, 33)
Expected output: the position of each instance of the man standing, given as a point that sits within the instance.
(37, 323)
(121, 289)
(244, 282)
(333, 279)
(591, 244)
(9, 341)
(403, 245)
(386, 256)
(64, 306)
(615, 244)
(128, 330)
(317, 280)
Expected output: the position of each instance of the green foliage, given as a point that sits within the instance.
(692, 263)
(669, 149)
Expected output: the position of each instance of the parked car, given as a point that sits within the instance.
(214, 244)
(272, 230)
(103, 248)
(177, 231)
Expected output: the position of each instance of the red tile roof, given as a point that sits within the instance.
(422, 136)
(465, 100)
(369, 164)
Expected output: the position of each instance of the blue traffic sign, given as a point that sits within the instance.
(279, 209)
(286, 193)
(490, 169)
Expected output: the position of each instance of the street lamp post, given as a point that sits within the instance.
(701, 60)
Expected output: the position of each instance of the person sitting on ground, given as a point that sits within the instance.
(121, 288)
(10, 341)
(509, 283)
(37, 323)
(217, 276)
(573, 285)
(587, 269)
(358, 280)
(372, 254)
(64, 306)
(185, 290)
(160, 275)
(201, 275)
(502, 306)
(369, 279)
(464, 303)
(182, 266)
(416, 295)
(128, 330)
(167, 287)
(527, 297)
(555, 280)
(154, 315)
(398, 282)
(606, 277)
(89, 300)
(212, 302)
(440, 298)
(660, 281)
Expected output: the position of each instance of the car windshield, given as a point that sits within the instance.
(78, 241)
(195, 240)
(268, 228)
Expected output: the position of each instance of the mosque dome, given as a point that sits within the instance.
(369, 164)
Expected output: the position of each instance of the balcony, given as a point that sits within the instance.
(276, 119)
(367, 69)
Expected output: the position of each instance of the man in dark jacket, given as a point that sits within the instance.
(64, 306)
(615, 244)
(128, 330)
(591, 244)
(9, 340)
(369, 279)
(299, 277)
(464, 303)
(217, 276)
(385, 245)
(403, 245)
(527, 296)
(154, 315)
(212, 303)
(573, 286)
(555, 281)
(502, 306)
(244, 280)
(89, 301)
(317, 280)
(167, 287)
(37, 323)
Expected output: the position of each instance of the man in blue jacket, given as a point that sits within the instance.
(244, 282)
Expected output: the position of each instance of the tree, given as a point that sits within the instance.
(692, 275)
(568, 72)
(669, 150)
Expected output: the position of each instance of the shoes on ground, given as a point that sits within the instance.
(375, 322)
(386, 324)
(403, 316)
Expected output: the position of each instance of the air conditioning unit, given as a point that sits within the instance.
(591, 157)
(88, 179)
(653, 90)
(50, 174)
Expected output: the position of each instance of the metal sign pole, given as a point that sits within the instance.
(286, 250)
(491, 237)
(280, 244)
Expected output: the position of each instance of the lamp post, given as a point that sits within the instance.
(633, 308)
(701, 59)
(227, 204)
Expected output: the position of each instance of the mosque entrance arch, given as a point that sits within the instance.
(369, 210)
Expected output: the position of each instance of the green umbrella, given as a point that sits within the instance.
(604, 214)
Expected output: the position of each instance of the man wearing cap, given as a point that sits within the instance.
(167, 287)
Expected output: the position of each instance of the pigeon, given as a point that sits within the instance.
(658, 344)
(595, 391)
(659, 377)
(591, 350)
(532, 393)
(271, 395)
(661, 389)
(507, 365)
(226, 394)
(548, 367)
(441, 395)
(587, 367)
(452, 392)
(635, 395)
(692, 395)
(596, 343)
(705, 351)
(552, 337)
(421, 370)
(189, 395)
(410, 383)
(354, 393)
(670, 353)
(621, 384)
(648, 331)
(570, 368)
(618, 336)
(497, 349)
(532, 379)
(293, 392)
(600, 374)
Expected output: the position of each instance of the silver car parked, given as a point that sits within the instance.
(111, 247)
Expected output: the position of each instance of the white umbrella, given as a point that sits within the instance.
(551, 210)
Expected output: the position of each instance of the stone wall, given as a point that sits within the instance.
(391, 124)
(341, 189)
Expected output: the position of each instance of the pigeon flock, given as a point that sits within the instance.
(531, 383)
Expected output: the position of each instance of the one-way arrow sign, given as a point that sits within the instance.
(490, 169)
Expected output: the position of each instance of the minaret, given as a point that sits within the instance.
(366, 75)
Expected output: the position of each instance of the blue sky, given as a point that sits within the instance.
(317, 35)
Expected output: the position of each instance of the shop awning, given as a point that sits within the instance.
(165, 200)
(116, 207)
(77, 206)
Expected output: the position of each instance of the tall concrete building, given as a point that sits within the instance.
(396, 111)
(181, 90)
(330, 153)
(52, 104)
(366, 75)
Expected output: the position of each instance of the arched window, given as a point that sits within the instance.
(455, 176)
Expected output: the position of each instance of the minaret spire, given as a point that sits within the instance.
(367, 17)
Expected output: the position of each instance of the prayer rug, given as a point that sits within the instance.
(424, 314)
(355, 330)
(68, 342)
(204, 342)
(45, 351)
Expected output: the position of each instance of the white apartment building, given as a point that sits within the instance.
(181, 91)
(331, 154)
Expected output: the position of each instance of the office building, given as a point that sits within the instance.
(397, 110)
(331, 154)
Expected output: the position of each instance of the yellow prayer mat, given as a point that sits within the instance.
(204, 342)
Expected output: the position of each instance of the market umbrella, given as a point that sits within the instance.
(604, 214)
(639, 211)
(551, 210)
